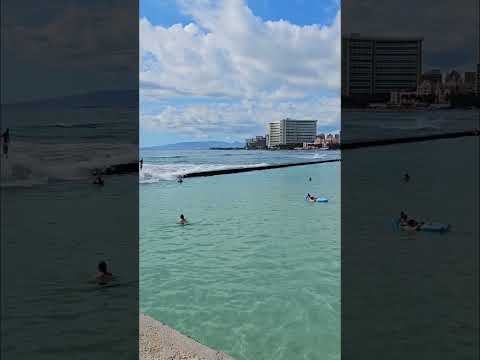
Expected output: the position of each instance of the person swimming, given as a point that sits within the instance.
(99, 181)
(6, 141)
(182, 220)
(103, 275)
(311, 197)
(179, 179)
(309, 179)
(414, 224)
(141, 163)
(409, 224)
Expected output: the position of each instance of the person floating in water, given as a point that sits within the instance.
(179, 179)
(311, 197)
(409, 224)
(406, 177)
(182, 220)
(141, 163)
(99, 181)
(6, 141)
(103, 275)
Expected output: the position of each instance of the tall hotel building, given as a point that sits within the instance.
(379, 65)
(292, 132)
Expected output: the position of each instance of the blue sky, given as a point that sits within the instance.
(221, 70)
(300, 12)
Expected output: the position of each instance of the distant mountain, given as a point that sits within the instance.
(197, 145)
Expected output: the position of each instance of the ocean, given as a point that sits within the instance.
(56, 227)
(256, 273)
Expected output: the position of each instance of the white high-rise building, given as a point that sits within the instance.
(291, 132)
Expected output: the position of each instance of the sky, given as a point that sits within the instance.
(450, 29)
(69, 47)
(223, 69)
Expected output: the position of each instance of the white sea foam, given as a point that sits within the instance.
(30, 164)
(152, 173)
(314, 156)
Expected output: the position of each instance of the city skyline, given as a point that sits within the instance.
(222, 70)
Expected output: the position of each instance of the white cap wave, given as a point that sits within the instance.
(152, 173)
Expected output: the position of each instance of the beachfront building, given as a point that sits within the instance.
(291, 132)
(319, 140)
(434, 77)
(403, 98)
(426, 88)
(478, 79)
(377, 66)
(324, 141)
(454, 82)
(257, 143)
(469, 81)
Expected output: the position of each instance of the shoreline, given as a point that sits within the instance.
(160, 342)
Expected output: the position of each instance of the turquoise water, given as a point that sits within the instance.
(257, 272)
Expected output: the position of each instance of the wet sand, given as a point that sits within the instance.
(160, 342)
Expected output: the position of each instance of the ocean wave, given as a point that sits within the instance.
(31, 164)
(153, 173)
(314, 156)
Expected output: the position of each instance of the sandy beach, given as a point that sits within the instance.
(160, 342)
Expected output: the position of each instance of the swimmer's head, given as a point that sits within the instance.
(182, 217)
(102, 266)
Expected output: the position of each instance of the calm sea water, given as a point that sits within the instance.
(256, 274)
(55, 228)
(257, 271)
(404, 293)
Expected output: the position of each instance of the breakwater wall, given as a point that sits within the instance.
(257, 168)
(404, 140)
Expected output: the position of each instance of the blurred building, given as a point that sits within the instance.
(478, 79)
(324, 141)
(454, 82)
(257, 143)
(470, 81)
(380, 65)
(433, 76)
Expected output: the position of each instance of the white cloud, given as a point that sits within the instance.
(240, 120)
(230, 52)
(265, 69)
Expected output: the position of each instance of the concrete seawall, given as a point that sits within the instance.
(404, 140)
(160, 342)
(257, 168)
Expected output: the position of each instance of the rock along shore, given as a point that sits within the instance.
(160, 342)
